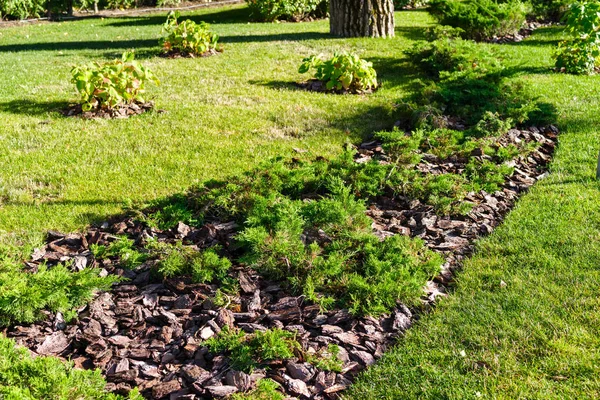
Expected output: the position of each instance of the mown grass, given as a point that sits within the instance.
(224, 114)
(537, 337)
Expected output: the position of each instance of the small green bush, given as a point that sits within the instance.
(246, 352)
(112, 84)
(123, 249)
(22, 9)
(164, 215)
(266, 389)
(480, 19)
(548, 10)
(188, 37)
(492, 125)
(25, 378)
(487, 175)
(176, 260)
(463, 73)
(353, 269)
(326, 360)
(576, 57)
(450, 54)
(24, 295)
(342, 72)
(272, 10)
(580, 55)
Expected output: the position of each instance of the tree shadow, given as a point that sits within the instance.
(138, 44)
(277, 85)
(227, 16)
(279, 37)
(534, 43)
(32, 107)
(411, 33)
(397, 72)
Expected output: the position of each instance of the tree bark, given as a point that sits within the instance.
(361, 18)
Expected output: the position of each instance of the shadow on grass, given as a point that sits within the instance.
(139, 45)
(540, 37)
(397, 72)
(277, 85)
(33, 108)
(227, 16)
(410, 33)
(279, 37)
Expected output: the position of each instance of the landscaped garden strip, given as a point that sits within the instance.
(299, 274)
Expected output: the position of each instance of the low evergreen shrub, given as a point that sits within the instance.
(23, 377)
(247, 352)
(463, 73)
(548, 10)
(480, 19)
(23, 296)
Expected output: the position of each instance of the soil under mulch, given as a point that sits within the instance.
(183, 54)
(315, 85)
(123, 111)
(149, 334)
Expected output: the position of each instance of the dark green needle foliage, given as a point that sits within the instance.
(25, 378)
(247, 352)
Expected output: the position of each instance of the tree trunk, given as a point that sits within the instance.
(361, 18)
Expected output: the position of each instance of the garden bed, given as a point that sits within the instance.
(121, 112)
(179, 54)
(149, 333)
(315, 85)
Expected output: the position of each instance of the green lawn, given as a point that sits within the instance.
(535, 339)
(224, 113)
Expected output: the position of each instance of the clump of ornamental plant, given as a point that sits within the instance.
(187, 38)
(113, 84)
(342, 72)
(580, 54)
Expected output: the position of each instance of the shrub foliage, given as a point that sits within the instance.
(112, 84)
(25, 378)
(295, 10)
(480, 19)
(188, 37)
(24, 295)
(342, 72)
(580, 54)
